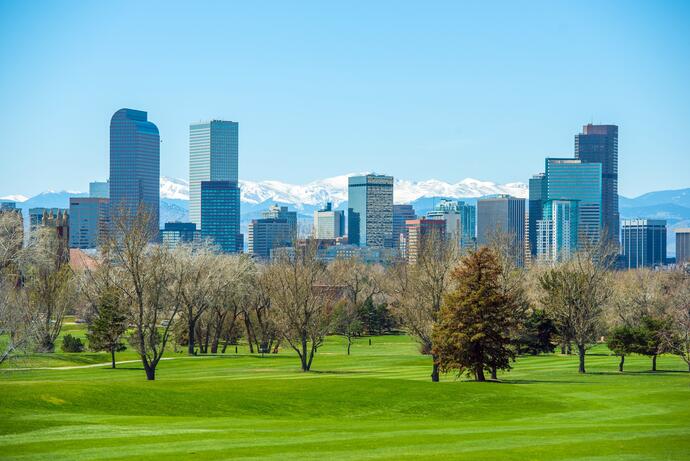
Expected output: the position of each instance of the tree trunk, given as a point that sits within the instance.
(434, 371)
(654, 362)
(150, 372)
(112, 356)
(562, 348)
(620, 365)
(581, 354)
(190, 347)
(303, 356)
(569, 349)
(479, 373)
(494, 373)
(349, 343)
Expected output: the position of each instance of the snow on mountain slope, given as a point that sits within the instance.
(335, 190)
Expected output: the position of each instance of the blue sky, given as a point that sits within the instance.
(415, 89)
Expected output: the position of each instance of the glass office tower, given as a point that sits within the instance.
(571, 179)
(134, 165)
(89, 221)
(644, 242)
(502, 214)
(557, 230)
(370, 210)
(213, 156)
(599, 144)
(220, 215)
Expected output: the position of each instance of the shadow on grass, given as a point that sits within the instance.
(338, 372)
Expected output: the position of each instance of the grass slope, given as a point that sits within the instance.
(376, 404)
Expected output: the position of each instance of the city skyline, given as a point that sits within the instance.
(454, 106)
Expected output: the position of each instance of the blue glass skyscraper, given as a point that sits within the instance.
(220, 215)
(370, 210)
(213, 156)
(134, 165)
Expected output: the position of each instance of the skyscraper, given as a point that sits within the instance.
(502, 214)
(134, 165)
(99, 189)
(401, 214)
(571, 179)
(683, 246)
(329, 223)
(281, 212)
(419, 233)
(557, 230)
(213, 156)
(89, 221)
(370, 210)
(175, 233)
(460, 220)
(644, 242)
(535, 210)
(599, 144)
(220, 215)
(268, 234)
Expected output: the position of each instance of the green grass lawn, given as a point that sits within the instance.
(377, 403)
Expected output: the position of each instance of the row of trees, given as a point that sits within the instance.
(473, 312)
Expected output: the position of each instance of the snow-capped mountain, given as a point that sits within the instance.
(15, 198)
(335, 190)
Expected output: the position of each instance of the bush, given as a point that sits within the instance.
(72, 344)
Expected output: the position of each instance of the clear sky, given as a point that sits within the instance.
(418, 90)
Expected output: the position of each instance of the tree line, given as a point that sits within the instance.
(473, 312)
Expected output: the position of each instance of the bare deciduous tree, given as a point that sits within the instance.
(417, 290)
(301, 299)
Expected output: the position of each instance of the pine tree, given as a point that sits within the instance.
(108, 326)
(476, 320)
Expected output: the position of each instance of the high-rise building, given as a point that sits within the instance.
(268, 234)
(370, 210)
(571, 179)
(401, 214)
(99, 189)
(460, 220)
(644, 242)
(682, 246)
(535, 210)
(89, 221)
(557, 231)
(134, 165)
(176, 233)
(502, 214)
(599, 144)
(220, 215)
(419, 233)
(329, 223)
(282, 212)
(213, 156)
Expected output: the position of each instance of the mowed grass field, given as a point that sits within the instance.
(377, 404)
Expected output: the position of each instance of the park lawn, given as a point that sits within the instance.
(377, 403)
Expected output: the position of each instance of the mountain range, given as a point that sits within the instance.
(256, 196)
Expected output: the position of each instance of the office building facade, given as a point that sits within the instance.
(682, 246)
(177, 233)
(460, 221)
(502, 214)
(220, 215)
(329, 223)
(421, 232)
(267, 234)
(401, 214)
(134, 166)
(370, 210)
(99, 189)
(557, 231)
(643, 243)
(599, 144)
(89, 221)
(282, 213)
(213, 156)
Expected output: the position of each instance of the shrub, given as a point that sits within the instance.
(72, 344)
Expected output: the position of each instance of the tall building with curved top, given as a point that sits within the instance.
(134, 164)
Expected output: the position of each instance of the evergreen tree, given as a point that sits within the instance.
(537, 334)
(108, 326)
(476, 320)
(623, 341)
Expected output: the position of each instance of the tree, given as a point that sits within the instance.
(301, 298)
(574, 293)
(361, 284)
(677, 338)
(259, 318)
(622, 341)
(108, 326)
(149, 283)
(48, 286)
(417, 290)
(651, 342)
(72, 344)
(473, 333)
(536, 335)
